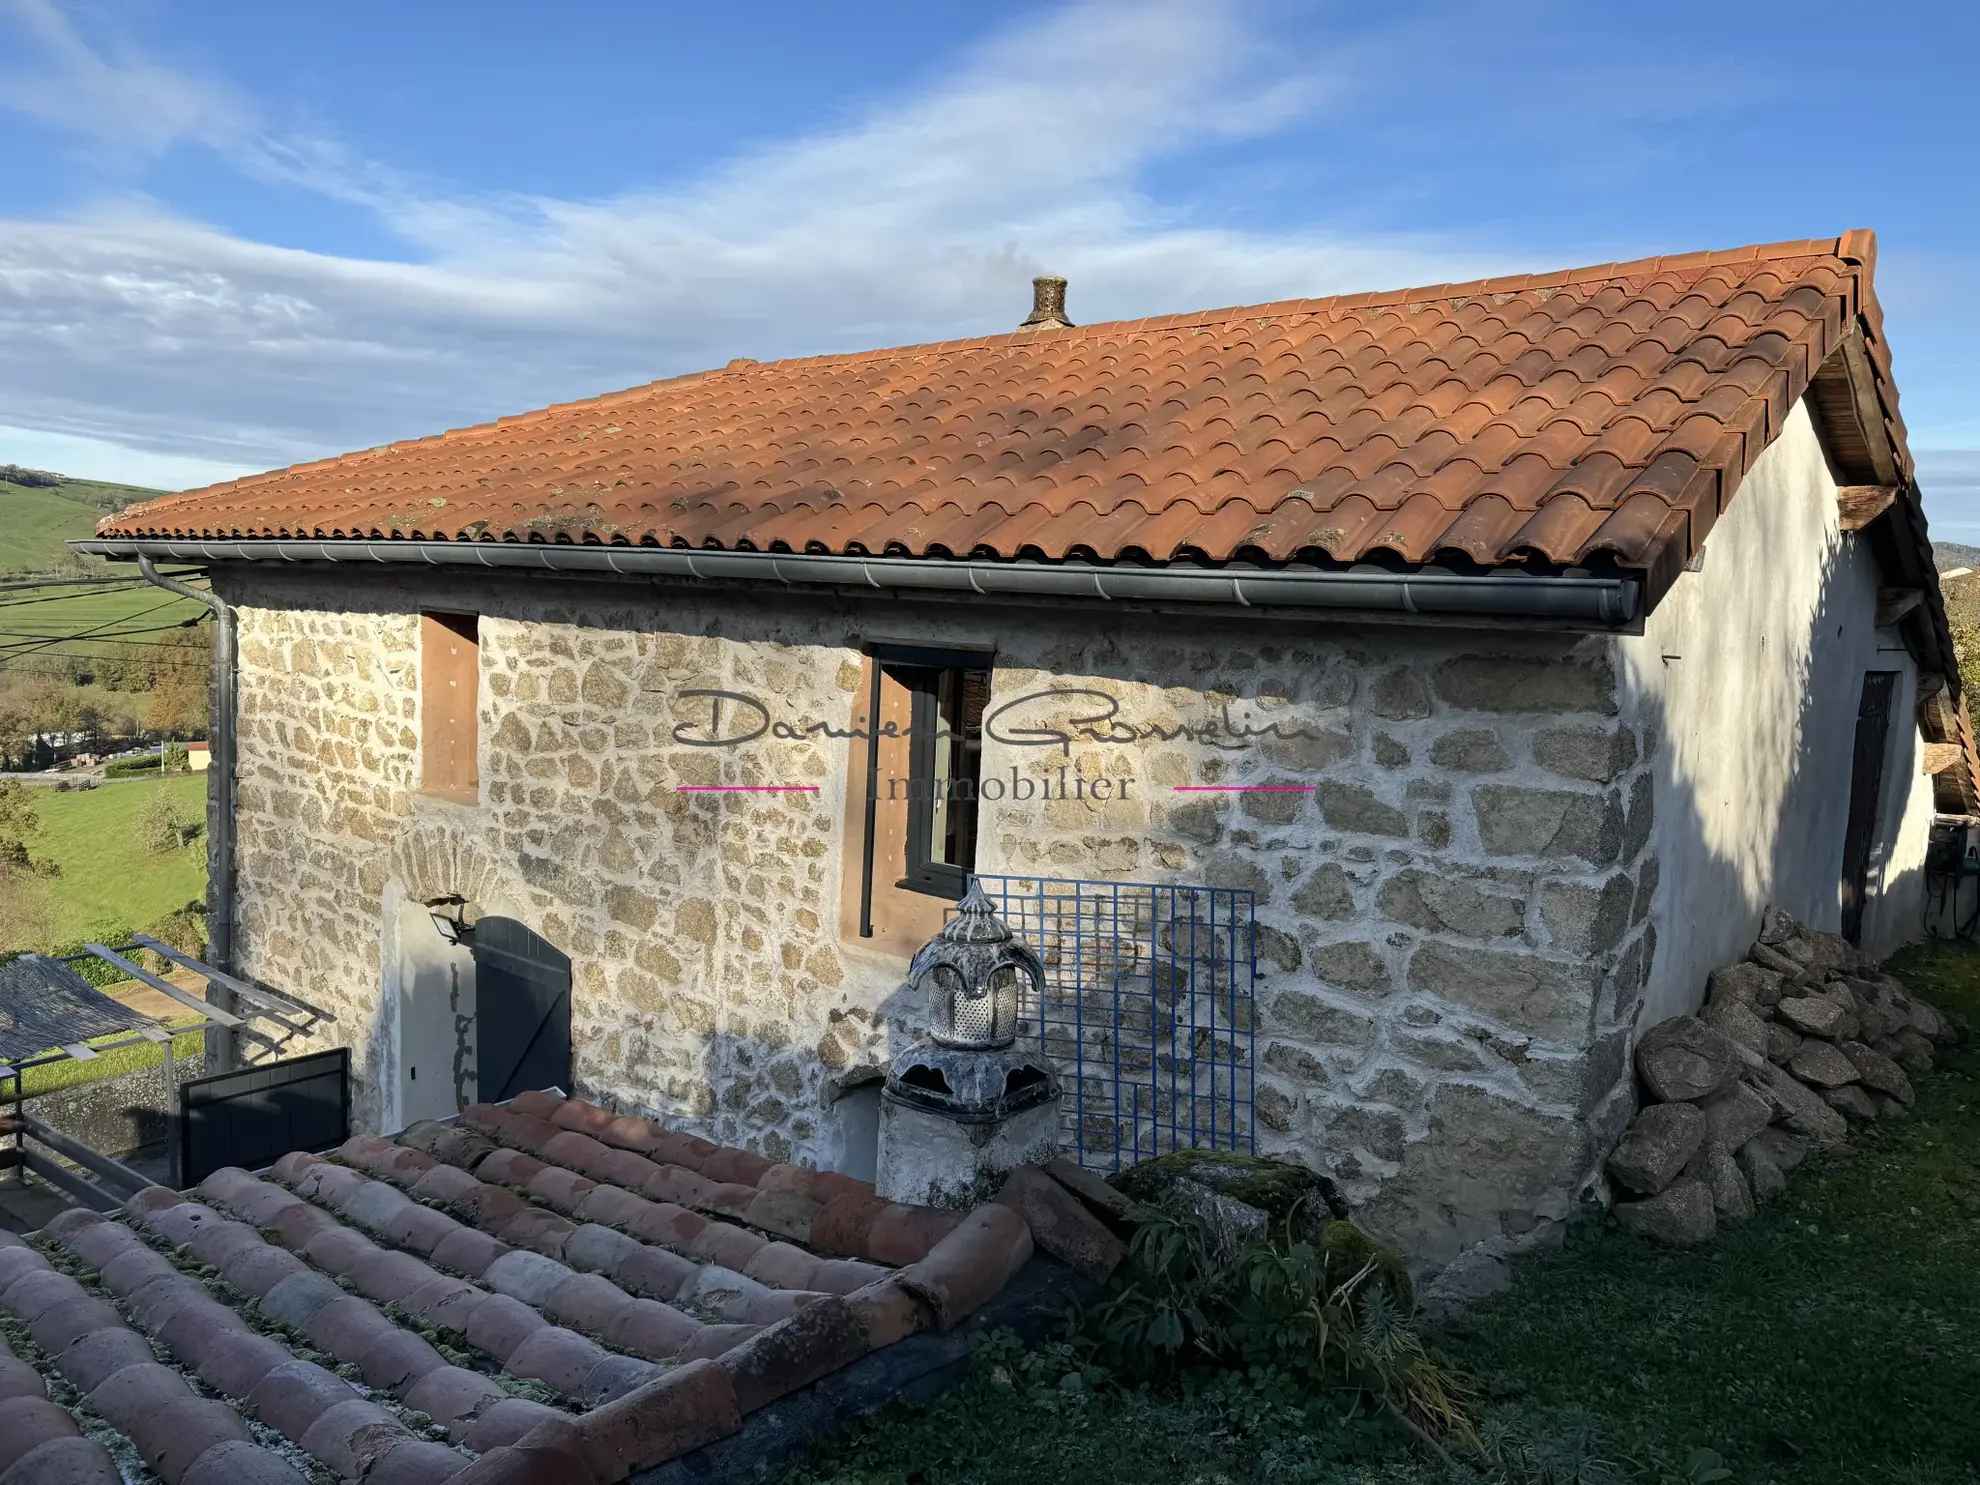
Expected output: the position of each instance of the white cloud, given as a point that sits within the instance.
(923, 220)
(122, 103)
(106, 459)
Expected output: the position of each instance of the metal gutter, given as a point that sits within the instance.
(220, 1050)
(1599, 602)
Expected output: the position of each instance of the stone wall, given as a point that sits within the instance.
(1452, 923)
(123, 1115)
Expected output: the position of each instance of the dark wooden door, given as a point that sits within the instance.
(1866, 786)
(522, 999)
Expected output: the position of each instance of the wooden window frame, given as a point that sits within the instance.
(450, 706)
(892, 668)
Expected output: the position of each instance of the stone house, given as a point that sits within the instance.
(1506, 648)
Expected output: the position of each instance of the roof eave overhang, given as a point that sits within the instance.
(1592, 603)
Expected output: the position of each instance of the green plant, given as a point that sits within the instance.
(1333, 1313)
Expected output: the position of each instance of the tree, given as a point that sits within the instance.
(18, 821)
(178, 703)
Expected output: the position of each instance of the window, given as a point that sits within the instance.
(449, 695)
(909, 853)
(945, 753)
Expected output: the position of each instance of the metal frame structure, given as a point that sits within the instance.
(287, 1016)
(1146, 1011)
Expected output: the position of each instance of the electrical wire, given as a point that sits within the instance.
(86, 582)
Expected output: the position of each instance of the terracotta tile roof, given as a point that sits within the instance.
(1597, 414)
(545, 1291)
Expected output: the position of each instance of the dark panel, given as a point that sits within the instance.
(522, 993)
(1866, 786)
(258, 1114)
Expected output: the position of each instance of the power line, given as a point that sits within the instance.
(83, 582)
(86, 633)
(115, 634)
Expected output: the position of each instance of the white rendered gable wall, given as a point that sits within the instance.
(1749, 674)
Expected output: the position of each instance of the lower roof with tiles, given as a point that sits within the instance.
(542, 1292)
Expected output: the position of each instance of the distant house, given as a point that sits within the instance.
(199, 756)
(1488, 655)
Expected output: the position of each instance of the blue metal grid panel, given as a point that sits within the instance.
(1146, 1011)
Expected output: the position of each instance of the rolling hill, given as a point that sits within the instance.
(39, 512)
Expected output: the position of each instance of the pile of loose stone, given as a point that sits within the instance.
(1794, 1044)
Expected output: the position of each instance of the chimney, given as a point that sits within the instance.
(1048, 305)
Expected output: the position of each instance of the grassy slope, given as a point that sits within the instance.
(36, 520)
(34, 523)
(107, 879)
(1830, 1341)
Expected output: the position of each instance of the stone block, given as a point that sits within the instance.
(1659, 1143)
(1447, 902)
(1878, 1072)
(1820, 1065)
(1550, 824)
(1470, 750)
(1442, 1201)
(1683, 1058)
(1597, 754)
(1798, 1108)
(1321, 1022)
(1585, 918)
(1812, 1015)
(1734, 1115)
(1542, 997)
(1529, 685)
(1852, 1102)
(1682, 1216)
(1715, 1168)
(1732, 1020)
(1355, 810)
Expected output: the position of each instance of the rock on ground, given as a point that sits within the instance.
(1737, 1024)
(1736, 1115)
(1799, 1108)
(1683, 1058)
(1714, 1166)
(1878, 1073)
(1820, 1065)
(1811, 1015)
(1852, 1101)
(1782, 1044)
(1682, 1216)
(1764, 1176)
(1659, 1143)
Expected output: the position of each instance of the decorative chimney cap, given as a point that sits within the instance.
(1048, 305)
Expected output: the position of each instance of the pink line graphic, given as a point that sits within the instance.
(745, 788)
(1244, 788)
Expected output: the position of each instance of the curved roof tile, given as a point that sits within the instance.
(1563, 413)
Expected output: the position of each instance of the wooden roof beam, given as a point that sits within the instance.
(1859, 505)
(1894, 603)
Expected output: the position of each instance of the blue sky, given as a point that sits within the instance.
(237, 235)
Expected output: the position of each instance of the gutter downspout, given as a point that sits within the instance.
(220, 802)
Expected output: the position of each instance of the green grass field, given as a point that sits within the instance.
(109, 881)
(36, 520)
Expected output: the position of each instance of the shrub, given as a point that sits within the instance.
(161, 827)
(1334, 1313)
(89, 966)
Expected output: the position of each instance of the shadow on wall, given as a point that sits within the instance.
(1756, 708)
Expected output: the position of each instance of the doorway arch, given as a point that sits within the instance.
(522, 987)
